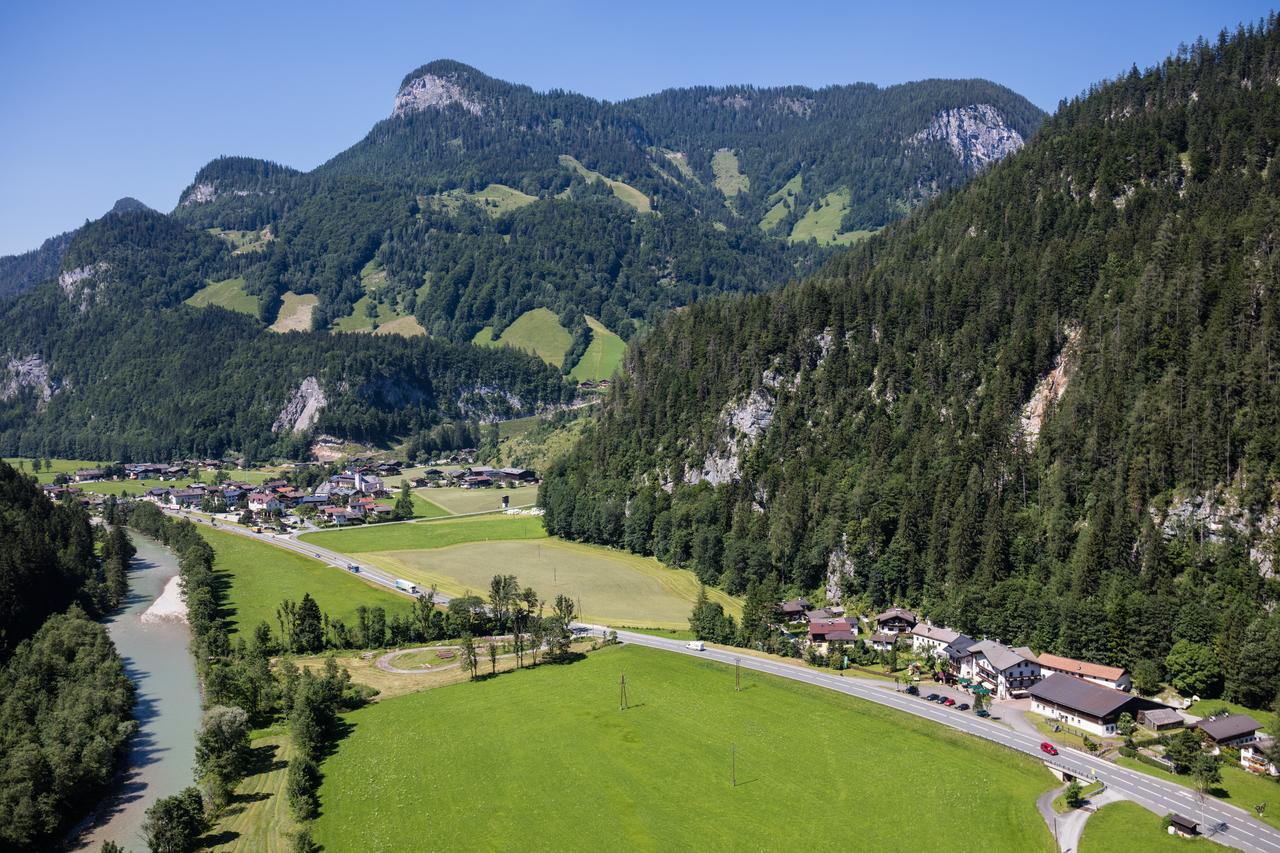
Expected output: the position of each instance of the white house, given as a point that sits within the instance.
(1253, 757)
(1236, 730)
(1114, 677)
(1084, 704)
(931, 639)
(264, 501)
(1005, 671)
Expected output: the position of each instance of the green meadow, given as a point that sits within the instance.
(259, 576)
(545, 756)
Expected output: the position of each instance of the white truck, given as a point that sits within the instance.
(406, 586)
(696, 645)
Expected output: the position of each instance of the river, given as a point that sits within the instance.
(157, 657)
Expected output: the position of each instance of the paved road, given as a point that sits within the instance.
(1242, 831)
(332, 558)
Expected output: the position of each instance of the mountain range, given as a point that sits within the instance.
(478, 214)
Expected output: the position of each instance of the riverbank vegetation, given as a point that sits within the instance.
(65, 701)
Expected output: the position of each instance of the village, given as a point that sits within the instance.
(1092, 704)
(309, 495)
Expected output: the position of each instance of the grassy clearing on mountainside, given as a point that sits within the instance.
(407, 327)
(624, 192)
(258, 818)
(495, 199)
(295, 312)
(541, 445)
(729, 178)
(537, 331)
(1129, 828)
(603, 356)
(244, 242)
(359, 319)
(822, 222)
(260, 576)
(545, 755)
(783, 201)
(680, 161)
(228, 293)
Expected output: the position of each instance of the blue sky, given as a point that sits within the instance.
(102, 100)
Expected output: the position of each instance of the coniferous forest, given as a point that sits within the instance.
(874, 420)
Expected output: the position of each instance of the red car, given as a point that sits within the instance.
(949, 702)
(1049, 748)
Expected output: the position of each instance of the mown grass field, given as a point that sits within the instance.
(537, 331)
(603, 356)
(613, 587)
(455, 501)
(436, 534)
(258, 818)
(295, 312)
(57, 466)
(228, 294)
(360, 321)
(546, 757)
(259, 576)
(1129, 828)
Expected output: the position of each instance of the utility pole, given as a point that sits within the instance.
(737, 675)
(622, 693)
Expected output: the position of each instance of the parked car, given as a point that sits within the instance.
(932, 697)
(948, 701)
(1048, 748)
(912, 690)
(982, 712)
(941, 699)
(963, 706)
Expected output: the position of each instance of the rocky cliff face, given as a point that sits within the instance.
(81, 285)
(1215, 516)
(302, 412)
(1050, 388)
(29, 372)
(431, 91)
(977, 135)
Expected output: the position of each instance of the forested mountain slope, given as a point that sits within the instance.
(478, 200)
(19, 273)
(1044, 408)
(107, 362)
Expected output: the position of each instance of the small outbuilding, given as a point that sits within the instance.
(1184, 826)
(1161, 719)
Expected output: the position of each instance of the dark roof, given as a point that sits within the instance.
(1229, 727)
(959, 647)
(879, 637)
(1186, 824)
(795, 604)
(1162, 716)
(896, 613)
(1080, 695)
